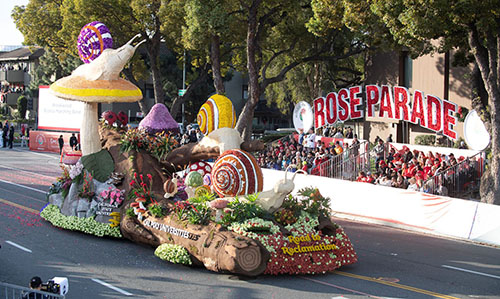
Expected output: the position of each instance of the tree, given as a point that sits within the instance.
(22, 105)
(471, 27)
(52, 67)
(277, 33)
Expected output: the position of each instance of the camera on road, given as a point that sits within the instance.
(56, 285)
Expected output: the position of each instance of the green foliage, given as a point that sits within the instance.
(99, 164)
(130, 212)
(22, 106)
(239, 211)
(425, 139)
(195, 211)
(173, 253)
(156, 210)
(314, 203)
(309, 200)
(52, 214)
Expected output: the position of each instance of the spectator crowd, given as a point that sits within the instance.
(404, 168)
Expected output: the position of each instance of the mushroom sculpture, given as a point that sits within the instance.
(98, 82)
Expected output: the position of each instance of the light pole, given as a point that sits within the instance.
(183, 85)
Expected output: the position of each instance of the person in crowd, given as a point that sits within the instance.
(35, 284)
(311, 140)
(5, 133)
(389, 138)
(11, 136)
(73, 141)
(379, 151)
(61, 144)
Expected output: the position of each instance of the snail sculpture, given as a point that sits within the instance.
(217, 112)
(109, 64)
(236, 172)
(271, 200)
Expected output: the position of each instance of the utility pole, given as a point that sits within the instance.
(183, 86)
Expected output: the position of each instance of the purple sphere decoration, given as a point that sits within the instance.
(93, 39)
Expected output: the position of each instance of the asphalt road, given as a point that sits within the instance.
(392, 263)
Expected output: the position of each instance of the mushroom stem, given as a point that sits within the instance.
(89, 132)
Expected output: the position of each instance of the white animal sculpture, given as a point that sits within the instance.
(109, 64)
(271, 200)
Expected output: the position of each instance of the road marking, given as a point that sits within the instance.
(28, 171)
(341, 288)
(29, 188)
(18, 246)
(112, 287)
(396, 285)
(470, 271)
(19, 206)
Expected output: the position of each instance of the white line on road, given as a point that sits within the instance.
(18, 246)
(29, 188)
(112, 287)
(470, 271)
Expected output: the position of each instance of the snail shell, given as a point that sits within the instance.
(94, 38)
(170, 187)
(217, 112)
(236, 172)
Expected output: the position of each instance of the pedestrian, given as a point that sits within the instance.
(73, 141)
(5, 133)
(11, 136)
(61, 144)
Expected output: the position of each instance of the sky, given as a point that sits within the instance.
(10, 35)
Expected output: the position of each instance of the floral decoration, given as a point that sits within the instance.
(461, 113)
(284, 262)
(64, 181)
(159, 145)
(52, 214)
(87, 187)
(173, 253)
(114, 195)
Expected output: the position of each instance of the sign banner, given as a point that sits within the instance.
(302, 117)
(395, 102)
(43, 141)
(57, 114)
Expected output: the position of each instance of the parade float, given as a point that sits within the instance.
(141, 185)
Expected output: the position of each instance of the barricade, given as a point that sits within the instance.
(8, 290)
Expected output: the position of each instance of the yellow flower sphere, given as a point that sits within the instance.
(217, 112)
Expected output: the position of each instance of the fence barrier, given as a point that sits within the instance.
(8, 290)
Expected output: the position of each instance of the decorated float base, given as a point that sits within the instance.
(132, 189)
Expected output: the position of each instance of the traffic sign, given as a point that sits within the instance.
(181, 92)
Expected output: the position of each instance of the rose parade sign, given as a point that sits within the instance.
(396, 102)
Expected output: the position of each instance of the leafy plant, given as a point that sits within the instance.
(239, 211)
(141, 189)
(87, 187)
(156, 210)
(313, 202)
(64, 181)
(199, 214)
(99, 164)
(173, 253)
(130, 212)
